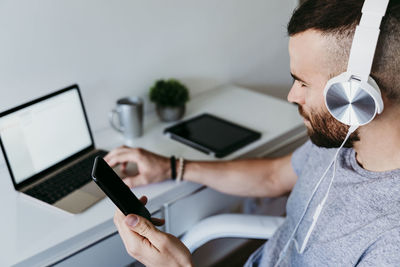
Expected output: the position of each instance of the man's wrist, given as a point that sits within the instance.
(166, 168)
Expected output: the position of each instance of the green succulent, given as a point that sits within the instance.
(169, 93)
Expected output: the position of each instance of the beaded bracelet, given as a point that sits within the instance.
(180, 169)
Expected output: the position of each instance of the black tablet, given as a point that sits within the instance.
(212, 135)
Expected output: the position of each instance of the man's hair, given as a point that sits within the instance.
(337, 20)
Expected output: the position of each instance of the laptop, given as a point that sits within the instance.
(49, 150)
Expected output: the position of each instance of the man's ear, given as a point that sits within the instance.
(387, 103)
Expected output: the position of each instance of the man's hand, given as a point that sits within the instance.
(149, 245)
(152, 167)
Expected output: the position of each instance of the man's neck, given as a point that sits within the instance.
(379, 146)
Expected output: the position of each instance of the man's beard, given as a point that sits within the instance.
(326, 131)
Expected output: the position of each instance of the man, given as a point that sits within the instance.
(360, 222)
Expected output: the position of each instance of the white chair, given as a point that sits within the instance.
(231, 225)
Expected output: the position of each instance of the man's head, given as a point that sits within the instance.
(321, 33)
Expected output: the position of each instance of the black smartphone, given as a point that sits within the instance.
(117, 190)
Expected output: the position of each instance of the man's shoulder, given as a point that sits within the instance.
(384, 251)
(311, 154)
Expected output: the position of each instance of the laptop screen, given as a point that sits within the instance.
(40, 134)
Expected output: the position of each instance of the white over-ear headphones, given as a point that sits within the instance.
(353, 97)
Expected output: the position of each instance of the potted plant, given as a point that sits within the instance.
(170, 97)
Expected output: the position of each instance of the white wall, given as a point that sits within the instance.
(118, 48)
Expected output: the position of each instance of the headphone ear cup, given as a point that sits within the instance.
(376, 93)
(351, 101)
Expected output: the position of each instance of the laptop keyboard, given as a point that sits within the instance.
(65, 182)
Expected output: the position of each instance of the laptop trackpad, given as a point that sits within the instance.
(92, 189)
(81, 199)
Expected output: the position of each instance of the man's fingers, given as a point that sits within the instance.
(131, 182)
(145, 228)
(121, 155)
(113, 152)
(143, 199)
(123, 167)
(136, 245)
(157, 221)
(135, 181)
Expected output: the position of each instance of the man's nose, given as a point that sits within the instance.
(296, 94)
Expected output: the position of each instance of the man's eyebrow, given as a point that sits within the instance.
(297, 78)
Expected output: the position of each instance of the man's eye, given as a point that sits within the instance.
(301, 84)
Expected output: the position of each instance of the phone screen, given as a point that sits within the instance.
(117, 190)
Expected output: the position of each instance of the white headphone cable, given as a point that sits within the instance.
(319, 207)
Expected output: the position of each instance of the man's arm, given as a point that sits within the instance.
(250, 177)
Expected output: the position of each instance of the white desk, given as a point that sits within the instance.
(33, 234)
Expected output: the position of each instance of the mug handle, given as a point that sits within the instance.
(111, 116)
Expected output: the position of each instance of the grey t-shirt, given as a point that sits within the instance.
(359, 224)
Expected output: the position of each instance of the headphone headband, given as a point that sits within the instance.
(366, 38)
(353, 98)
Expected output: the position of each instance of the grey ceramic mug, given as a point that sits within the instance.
(130, 118)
